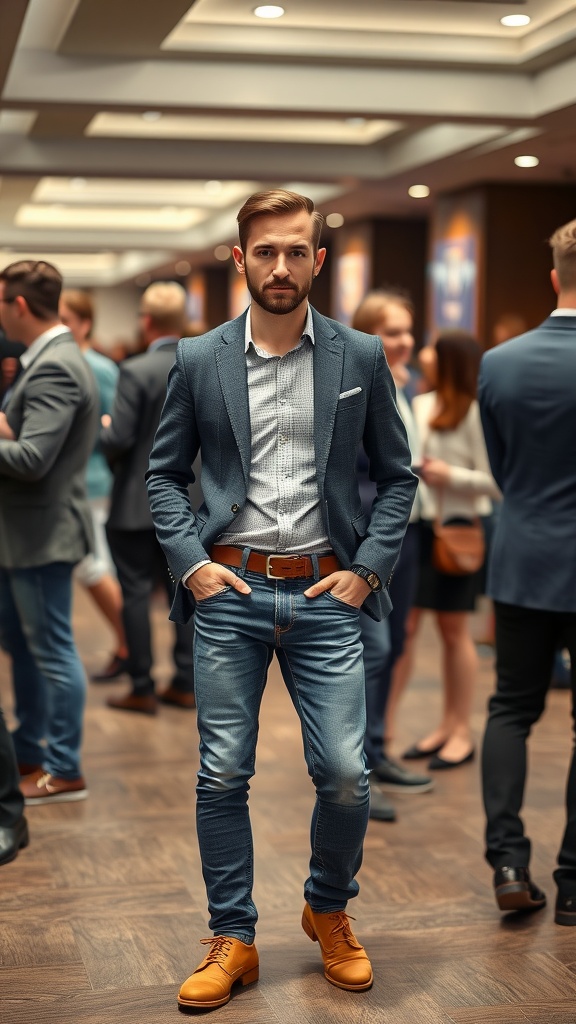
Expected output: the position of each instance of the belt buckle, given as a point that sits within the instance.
(269, 574)
(286, 558)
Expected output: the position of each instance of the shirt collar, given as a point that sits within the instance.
(308, 331)
(563, 312)
(40, 343)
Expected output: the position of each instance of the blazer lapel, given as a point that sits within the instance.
(233, 377)
(328, 362)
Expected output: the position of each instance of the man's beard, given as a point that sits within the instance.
(279, 303)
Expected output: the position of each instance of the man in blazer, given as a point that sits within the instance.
(279, 559)
(126, 442)
(47, 432)
(526, 395)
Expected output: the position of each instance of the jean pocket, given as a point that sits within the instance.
(213, 597)
(341, 604)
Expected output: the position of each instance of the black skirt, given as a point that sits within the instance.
(439, 591)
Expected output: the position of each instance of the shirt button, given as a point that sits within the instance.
(235, 509)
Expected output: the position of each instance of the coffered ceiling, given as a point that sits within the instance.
(131, 132)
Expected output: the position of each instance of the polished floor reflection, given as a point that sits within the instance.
(101, 915)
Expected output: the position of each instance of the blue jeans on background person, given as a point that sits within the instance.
(317, 643)
(48, 676)
(384, 643)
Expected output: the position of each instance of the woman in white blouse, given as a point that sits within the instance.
(456, 484)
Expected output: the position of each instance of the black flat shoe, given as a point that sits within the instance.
(437, 763)
(565, 912)
(515, 890)
(414, 752)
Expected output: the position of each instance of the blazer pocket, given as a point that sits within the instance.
(348, 394)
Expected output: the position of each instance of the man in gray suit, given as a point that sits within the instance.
(140, 563)
(527, 400)
(279, 558)
(47, 432)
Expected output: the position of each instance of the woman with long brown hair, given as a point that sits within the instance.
(456, 486)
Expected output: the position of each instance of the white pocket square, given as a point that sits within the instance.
(346, 394)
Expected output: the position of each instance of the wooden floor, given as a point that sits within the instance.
(100, 917)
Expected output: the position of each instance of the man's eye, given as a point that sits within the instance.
(263, 252)
(297, 252)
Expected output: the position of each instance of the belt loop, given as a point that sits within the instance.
(316, 567)
(245, 556)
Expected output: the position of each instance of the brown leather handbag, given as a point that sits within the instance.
(458, 549)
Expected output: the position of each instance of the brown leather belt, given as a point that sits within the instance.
(275, 567)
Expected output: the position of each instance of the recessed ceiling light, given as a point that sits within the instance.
(418, 191)
(269, 11)
(213, 187)
(222, 253)
(334, 220)
(355, 122)
(182, 267)
(151, 115)
(526, 161)
(78, 183)
(515, 20)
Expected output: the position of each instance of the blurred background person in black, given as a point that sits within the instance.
(127, 441)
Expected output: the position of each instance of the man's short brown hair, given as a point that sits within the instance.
(165, 303)
(563, 245)
(36, 281)
(277, 201)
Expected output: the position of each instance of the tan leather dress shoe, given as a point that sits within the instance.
(345, 962)
(228, 961)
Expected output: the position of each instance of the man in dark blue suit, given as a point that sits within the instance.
(279, 558)
(527, 400)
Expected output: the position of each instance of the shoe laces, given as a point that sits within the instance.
(220, 948)
(342, 931)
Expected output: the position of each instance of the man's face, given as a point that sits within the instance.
(279, 262)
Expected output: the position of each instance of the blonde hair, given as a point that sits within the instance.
(277, 201)
(165, 303)
(563, 245)
(80, 303)
(372, 309)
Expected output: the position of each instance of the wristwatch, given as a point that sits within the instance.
(372, 578)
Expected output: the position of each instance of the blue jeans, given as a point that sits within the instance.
(49, 680)
(384, 643)
(317, 643)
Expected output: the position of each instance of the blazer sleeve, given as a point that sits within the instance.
(386, 445)
(51, 398)
(493, 439)
(175, 448)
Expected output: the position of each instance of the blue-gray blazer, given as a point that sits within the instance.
(207, 409)
(527, 395)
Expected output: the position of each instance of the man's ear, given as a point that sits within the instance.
(555, 281)
(239, 259)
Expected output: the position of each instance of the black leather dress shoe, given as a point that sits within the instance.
(565, 912)
(13, 839)
(515, 890)
(380, 808)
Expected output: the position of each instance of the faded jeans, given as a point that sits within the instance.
(317, 643)
(49, 680)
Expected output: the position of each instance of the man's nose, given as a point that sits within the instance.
(280, 269)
